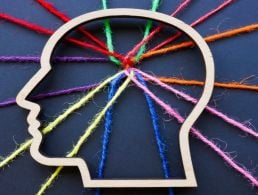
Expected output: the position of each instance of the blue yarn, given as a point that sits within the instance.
(107, 127)
(107, 131)
(161, 145)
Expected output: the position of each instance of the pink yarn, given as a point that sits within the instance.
(195, 23)
(197, 133)
(194, 101)
(155, 31)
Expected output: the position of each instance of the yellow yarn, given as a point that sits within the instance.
(49, 181)
(85, 136)
(58, 120)
(25, 145)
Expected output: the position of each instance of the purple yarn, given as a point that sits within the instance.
(36, 59)
(12, 101)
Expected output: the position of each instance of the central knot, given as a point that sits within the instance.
(128, 63)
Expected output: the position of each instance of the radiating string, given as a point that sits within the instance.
(108, 33)
(155, 5)
(107, 128)
(177, 35)
(214, 37)
(195, 23)
(45, 31)
(12, 156)
(93, 125)
(159, 140)
(215, 112)
(52, 125)
(141, 46)
(51, 8)
(173, 113)
(222, 155)
(107, 132)
(230, 85)
(226, 118)
(63, 59)
(211, 38)
(188, 98)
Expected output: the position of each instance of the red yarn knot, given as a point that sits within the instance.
(128, 63)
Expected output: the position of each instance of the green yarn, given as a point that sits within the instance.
(108, 32)
(155, 5)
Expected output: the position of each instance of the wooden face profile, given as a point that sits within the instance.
(34, 109)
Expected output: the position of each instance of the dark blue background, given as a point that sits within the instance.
(132, 151)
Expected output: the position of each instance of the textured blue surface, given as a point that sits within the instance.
(236, 59)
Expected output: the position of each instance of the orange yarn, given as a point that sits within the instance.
(231, 85)
(230, 33)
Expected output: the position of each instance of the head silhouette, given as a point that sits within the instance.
(34, 109)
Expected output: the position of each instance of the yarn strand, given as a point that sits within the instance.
(159, 141)
(211, 38)
(141, 46)
(51, 8)
(155, 5)
(45, 31)
(52, 125)
(107, 129)
(58, 59)
(26, 144)
(230, 85)
(108, 33)
(195, 23)
(194, 101)
(197, 134)
(85, 136)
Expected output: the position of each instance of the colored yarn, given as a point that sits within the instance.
(195, 23)
(89, 46)
(51, 94)
(86, 135)
(155, 5)
(213, 146)
(98, 118)
(108, 33)
(147, 38)
(231, 85)
(197, 134)
(49, 181)
(107, 128)
(160, 143)
(58, 120)
(215, 37)
(181, 7)
(36, 59)
(26, 144)
(26, 24)
(188, 98)
(39, 29)
(51, 8)
(218, 36)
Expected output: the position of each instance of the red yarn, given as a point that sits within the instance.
(46, 31)
(26, 24)
(50, 7)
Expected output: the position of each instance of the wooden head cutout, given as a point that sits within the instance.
(34, 108)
